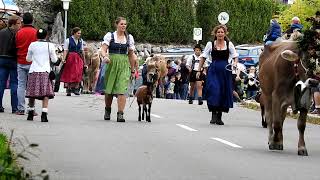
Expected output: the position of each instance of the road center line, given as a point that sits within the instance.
(227, 142)
(156, 116)
(186, 127)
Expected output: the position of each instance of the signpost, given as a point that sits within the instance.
(197, 34)
(223, 18)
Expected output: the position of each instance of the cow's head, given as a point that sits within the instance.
(152, 71)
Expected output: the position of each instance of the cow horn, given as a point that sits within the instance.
(289, 55)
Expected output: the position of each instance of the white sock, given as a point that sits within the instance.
(30, 108)
(45, 110)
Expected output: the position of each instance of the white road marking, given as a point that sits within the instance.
(156, 116)
(186, 127)
(227, 142)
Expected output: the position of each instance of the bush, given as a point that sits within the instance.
(249, 19)
(153, 21)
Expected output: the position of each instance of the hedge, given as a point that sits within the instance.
(155, 21)
(167, 21)
(249, 19)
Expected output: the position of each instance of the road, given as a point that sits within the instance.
(179, 143)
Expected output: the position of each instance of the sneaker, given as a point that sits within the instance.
(1, 109)
(19, 112)
(76, 92)
(315, 111)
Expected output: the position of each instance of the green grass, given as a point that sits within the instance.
(310, 119)
(7, 161)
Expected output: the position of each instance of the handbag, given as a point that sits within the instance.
(52, 75)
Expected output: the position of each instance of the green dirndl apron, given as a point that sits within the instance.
(117, 74)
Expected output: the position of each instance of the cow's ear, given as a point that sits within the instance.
(289, 55)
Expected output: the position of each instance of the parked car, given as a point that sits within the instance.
(249, 54)
(176, 53)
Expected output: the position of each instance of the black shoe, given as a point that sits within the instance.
(30, 115)
(214, 118)
(1, 109)
(190, 100)
(219, 120)
(44, 117)
(120, 117)
(76, 91)
(68, 92)
(107, 112)
(200, 102)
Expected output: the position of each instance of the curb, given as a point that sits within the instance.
(311, 118)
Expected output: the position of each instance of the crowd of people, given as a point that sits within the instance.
(26, 58)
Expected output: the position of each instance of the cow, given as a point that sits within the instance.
(284, 80)
(90, 73)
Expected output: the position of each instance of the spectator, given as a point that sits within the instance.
(39, 86)
(24, 37)
(193, 66)
(295, 25)
(273, 33)
(170, 88)
(74, 62)
(251, 83)
(177, 85)
(8, 61)
(184, 79)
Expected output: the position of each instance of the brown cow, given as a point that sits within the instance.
(282, 73)
(90, 74)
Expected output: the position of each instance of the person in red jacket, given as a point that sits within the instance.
(24, 37)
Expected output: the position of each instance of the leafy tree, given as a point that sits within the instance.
(302, 9)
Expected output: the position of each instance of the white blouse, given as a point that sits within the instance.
(208, 49)
(107, 39)
(66, 44)
(38, 54)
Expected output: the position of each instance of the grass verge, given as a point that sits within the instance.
(313, 119)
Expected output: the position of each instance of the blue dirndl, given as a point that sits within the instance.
(219, 87)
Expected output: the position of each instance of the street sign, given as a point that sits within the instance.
(197, 34)
(223, 18)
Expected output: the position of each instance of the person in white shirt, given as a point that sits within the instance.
(39, 86)
(193, 66)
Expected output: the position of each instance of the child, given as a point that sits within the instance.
(177, 85)
(252, 83)
(170, 90)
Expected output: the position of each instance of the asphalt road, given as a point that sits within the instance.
(179, 143)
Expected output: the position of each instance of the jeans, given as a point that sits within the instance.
(23, 70)
(8, 67)
(177, 96)
(184, 91)
(251, 94)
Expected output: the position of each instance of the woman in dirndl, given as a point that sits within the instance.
(118, 51)
(219, 79)
(39, 86)
(74, 62)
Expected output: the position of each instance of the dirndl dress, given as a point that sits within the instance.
(117, 73)
(219, 82)
(39, 86)
(73, 69)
